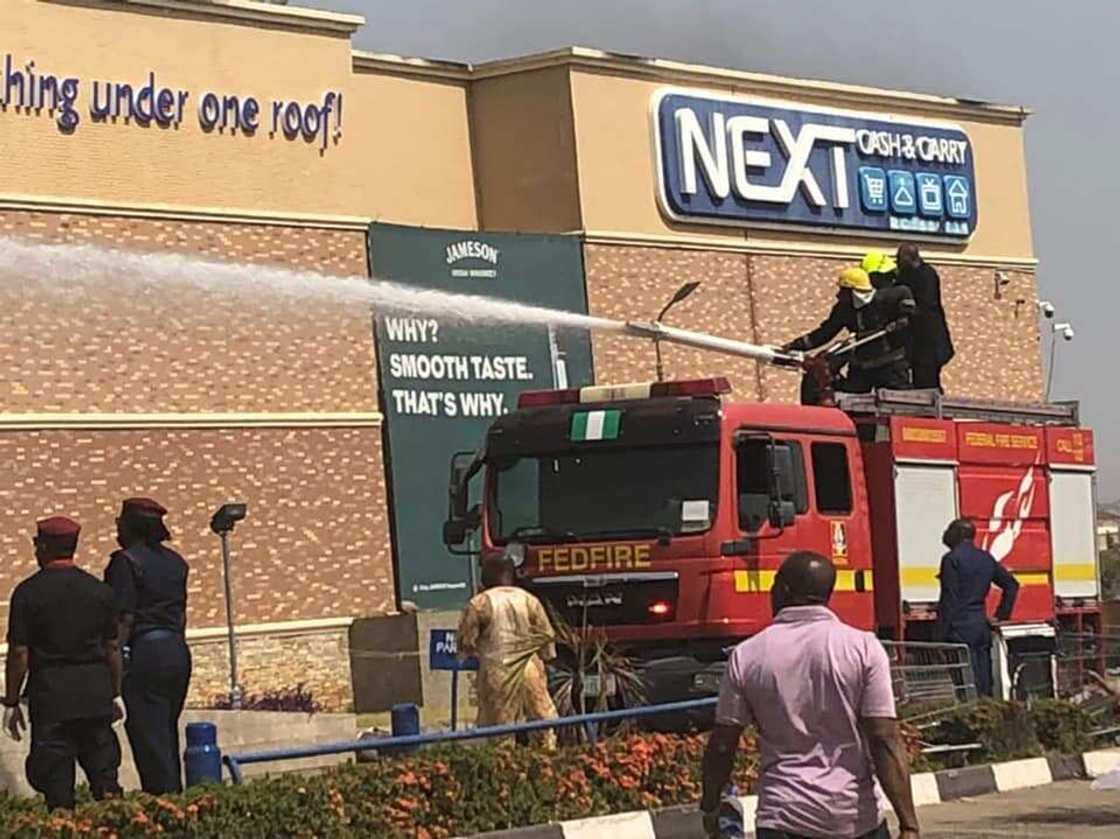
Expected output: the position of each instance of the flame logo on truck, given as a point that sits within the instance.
(1008, 514)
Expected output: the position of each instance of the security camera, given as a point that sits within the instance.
(1046, 308)
(1000, 279)
(1065, 330)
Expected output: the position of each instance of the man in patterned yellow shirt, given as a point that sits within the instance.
(509, 631)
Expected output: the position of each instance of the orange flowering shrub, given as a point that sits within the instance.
(453, 790)
(434, 794)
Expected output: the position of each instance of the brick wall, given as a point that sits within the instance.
(770, 299)
(316, 543)
(100, 344)
(633, 283)
(318, 659)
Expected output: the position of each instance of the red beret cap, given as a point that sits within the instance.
(58, 527)
(142, 507)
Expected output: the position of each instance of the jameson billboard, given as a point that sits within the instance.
(443, 380)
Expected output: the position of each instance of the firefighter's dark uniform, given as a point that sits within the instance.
(64, 616)
(149, 581)
(931, 345)
(877, 364)
(967, 574)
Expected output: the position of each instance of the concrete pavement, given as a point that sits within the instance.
(1068, 809)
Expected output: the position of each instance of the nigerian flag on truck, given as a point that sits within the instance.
(595, 425)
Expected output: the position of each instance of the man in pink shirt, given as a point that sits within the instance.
(819, 693)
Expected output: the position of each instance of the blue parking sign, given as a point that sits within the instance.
(873, 189)
(443, 652)
(958, 197)
(904, 194)
(930, 201)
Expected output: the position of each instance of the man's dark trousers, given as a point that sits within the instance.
(881, 832)
(56, 745)
(977, 634)
(154, 690)
(927, 375)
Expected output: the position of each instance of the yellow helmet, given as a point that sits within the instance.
(855, 279)
(877, 262)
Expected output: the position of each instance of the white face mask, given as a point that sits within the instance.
(862, 298)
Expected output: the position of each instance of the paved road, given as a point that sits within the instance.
(1068, 809)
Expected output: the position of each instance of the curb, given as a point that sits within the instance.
(927, 787)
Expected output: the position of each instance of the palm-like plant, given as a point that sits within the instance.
(585, 651)
(581, 652)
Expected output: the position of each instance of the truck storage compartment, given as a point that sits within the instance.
(925, 502)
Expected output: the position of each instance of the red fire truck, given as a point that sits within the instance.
(662, 511)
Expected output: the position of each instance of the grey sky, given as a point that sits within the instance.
(1061, 60)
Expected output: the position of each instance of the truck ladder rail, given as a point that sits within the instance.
(930, 403)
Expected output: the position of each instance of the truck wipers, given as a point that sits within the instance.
(534, 533)
(662, 534)
(537, 533)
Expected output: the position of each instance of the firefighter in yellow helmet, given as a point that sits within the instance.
(862, 309)
(881, 268)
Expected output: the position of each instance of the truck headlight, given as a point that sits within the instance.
(706, 682)
(515, 553)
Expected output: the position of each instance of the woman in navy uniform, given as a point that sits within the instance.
(149, 582)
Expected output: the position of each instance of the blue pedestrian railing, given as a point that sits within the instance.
(235, 762)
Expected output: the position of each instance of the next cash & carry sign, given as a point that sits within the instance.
(756, 162)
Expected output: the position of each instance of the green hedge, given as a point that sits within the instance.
(442, 792)
(1011, 730)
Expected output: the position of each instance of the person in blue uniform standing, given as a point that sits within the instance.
(62, 637)
(967, 574)
(149, 582)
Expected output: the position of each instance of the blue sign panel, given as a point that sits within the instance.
(930, 202)
(904, 194)
(443, 652)
(735, 160)
(873, 189)
(959, 192)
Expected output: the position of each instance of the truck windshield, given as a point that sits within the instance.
(610, 493)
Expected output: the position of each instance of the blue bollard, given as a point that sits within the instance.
(406, 720)
(202, 758)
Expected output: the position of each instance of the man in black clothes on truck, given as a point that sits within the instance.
(931, 346)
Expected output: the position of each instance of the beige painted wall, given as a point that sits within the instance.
(524, 151)
(557, 146)
(404, 154)
(618, 181)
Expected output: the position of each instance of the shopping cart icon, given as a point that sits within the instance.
(873, 189)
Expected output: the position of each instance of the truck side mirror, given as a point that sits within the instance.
(454, 532)
(782, 514)
(460, 521)
(457, 491)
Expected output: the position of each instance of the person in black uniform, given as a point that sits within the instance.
(931, 345)
(967, 574)
(149, 581)
(62, 628)
(862, 309)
